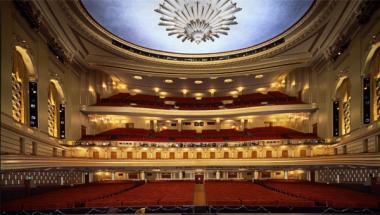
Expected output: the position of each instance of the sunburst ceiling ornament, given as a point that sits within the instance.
(197, 20)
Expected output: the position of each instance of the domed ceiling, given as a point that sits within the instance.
(195, 26)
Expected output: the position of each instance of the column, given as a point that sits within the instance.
(113, 176)
(155, 125)
(286, 174)
(180, 175)
(242, 124)
(256, 175)
(338, 178)
(142, 175)
(90, 177)
(218, 124)
(308, 175)
(179, 125)
(217, 175)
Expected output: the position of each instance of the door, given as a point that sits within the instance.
(199, 178)
(113, 155)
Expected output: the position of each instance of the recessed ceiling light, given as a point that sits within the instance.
(234, 92)
(137, 77)
(136, 90)
(182, 78)
(259, 76)
(240, 89)
(213, 78)
(198, 82)
(228, 80)
(169, 81)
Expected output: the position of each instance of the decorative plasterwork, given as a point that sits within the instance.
(292, 37)
(36, 21)
(197, 21)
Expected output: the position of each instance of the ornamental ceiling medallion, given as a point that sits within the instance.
(197, 20)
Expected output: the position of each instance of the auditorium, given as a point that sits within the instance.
(190, 106)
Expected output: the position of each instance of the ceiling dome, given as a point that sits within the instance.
(136, 21)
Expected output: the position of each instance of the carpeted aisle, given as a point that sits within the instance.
(199, 195)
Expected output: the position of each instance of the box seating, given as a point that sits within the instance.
(327, 194)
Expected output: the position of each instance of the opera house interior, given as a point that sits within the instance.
(190, 106)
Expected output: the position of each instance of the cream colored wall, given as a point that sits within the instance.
(16, 31)
(293, 151)
(350, 64)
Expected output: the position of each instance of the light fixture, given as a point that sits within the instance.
(163, 94)
(156, 89)
(104, 85)
(184, 91)
(228, 80)
(240, 89)
(212, 91)
(293, 83)
(261, 89)
(259, 76)
(137, 77)
(234, 93)
(121, 86)
(168, 81)
(213, 77)
(182, 78)
(197, 21)
(198, 82)
(90, 89)
(198, 96)
(136, 90)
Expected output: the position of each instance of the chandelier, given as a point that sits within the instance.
(197, 20)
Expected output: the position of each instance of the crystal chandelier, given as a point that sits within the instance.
(197, 20)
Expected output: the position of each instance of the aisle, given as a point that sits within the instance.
(199, 195)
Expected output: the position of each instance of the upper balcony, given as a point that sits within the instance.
(272, 102)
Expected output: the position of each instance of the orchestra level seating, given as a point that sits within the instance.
(327, 195)
(181, 193)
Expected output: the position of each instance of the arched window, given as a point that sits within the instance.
(375, 73)
(23, 74)
(52, 110)
(55, 103)
(18, 88)
(343, 95)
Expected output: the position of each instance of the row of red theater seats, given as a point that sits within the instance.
(207, 103)
(125, 134)
(247, 193)
(327, 194)
(67, 198)
(154, 193)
